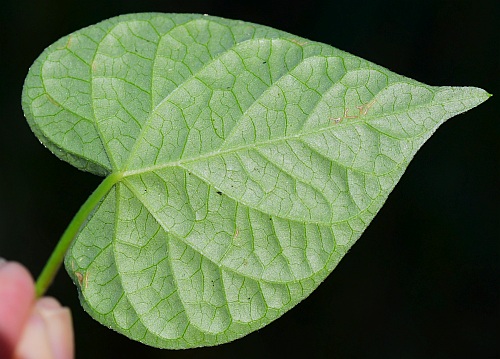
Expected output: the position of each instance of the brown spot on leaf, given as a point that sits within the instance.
(86, 280)
(70, 39)
(298, 42)
(362, 111)
(79, 276)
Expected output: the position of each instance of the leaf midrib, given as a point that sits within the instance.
(182, 162)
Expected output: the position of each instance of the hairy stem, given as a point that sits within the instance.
(57, 257)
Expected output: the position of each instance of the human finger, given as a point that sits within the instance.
(59, 327)
(48, 333)
(17, 295)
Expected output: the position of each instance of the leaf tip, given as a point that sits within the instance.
(480, 94)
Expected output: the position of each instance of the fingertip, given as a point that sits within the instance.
(59, 324)
(16, 282)
(12, 268)
(17, 292)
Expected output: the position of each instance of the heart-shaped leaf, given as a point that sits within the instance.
(243, 162)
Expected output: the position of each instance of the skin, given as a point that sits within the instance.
(31, 328)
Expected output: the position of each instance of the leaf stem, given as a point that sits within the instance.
(57, 257)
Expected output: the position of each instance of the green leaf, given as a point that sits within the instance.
(246, 161)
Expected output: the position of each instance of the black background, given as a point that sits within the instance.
(424, 279)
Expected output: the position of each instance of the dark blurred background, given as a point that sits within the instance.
(424, 279)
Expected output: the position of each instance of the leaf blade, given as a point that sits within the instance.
(250, 161)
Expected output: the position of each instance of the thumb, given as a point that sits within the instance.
(17, 295)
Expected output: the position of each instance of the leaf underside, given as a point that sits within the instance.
(249, 159)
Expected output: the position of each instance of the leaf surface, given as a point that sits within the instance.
(248, 161)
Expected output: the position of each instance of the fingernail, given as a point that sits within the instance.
(48, 304)
(3, 262)
(52, 313)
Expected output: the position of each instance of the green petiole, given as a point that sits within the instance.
(53, 264)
